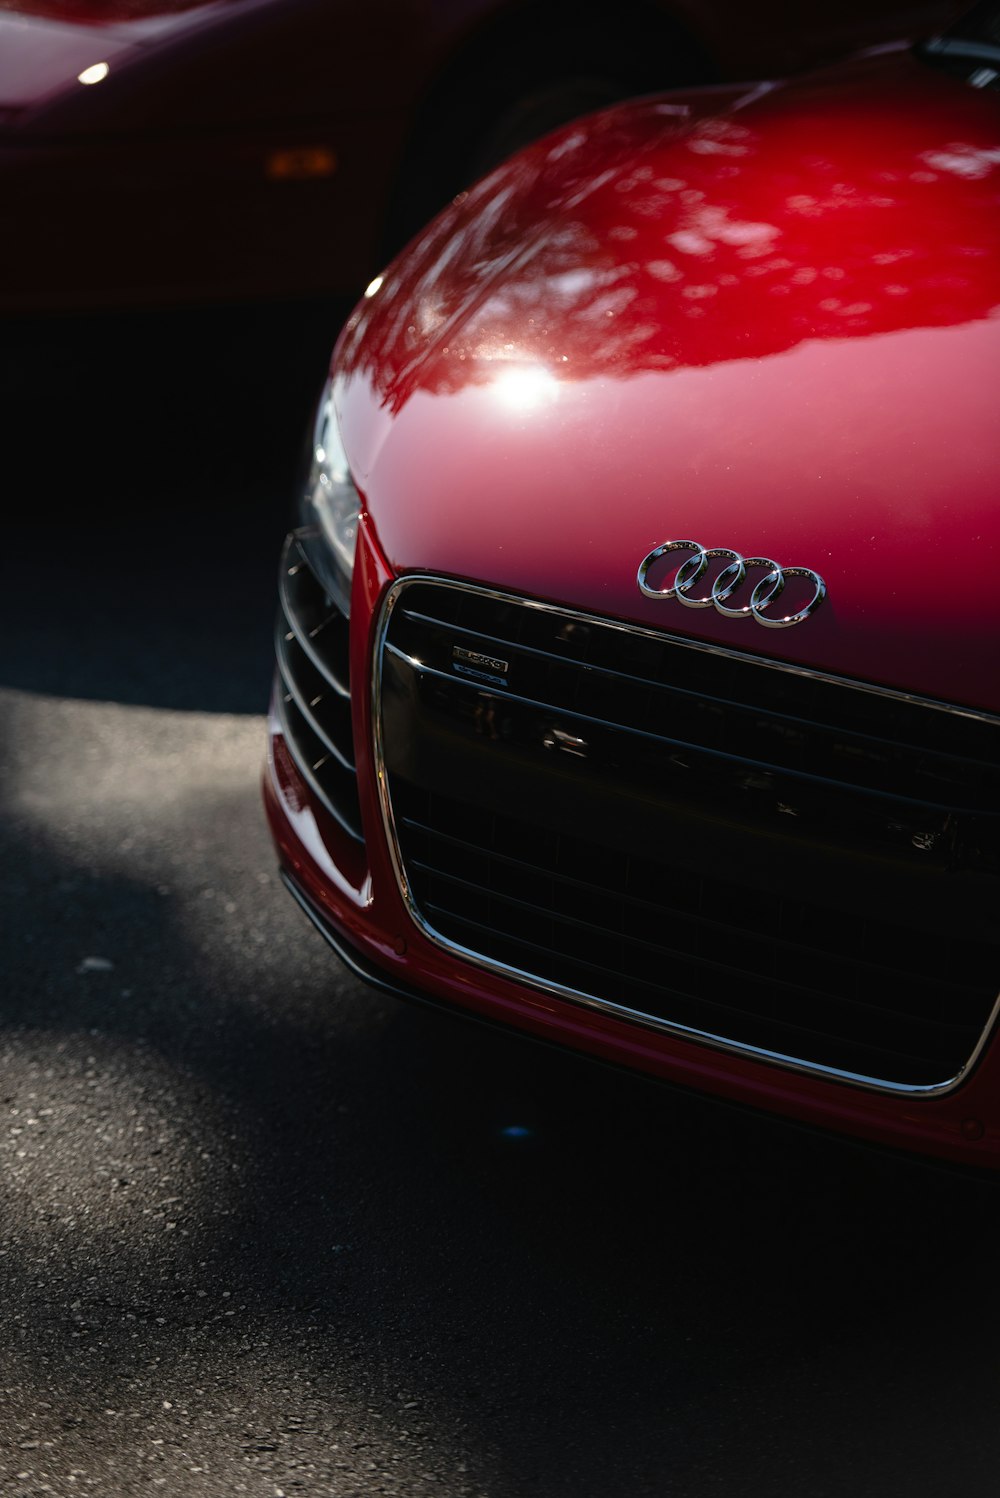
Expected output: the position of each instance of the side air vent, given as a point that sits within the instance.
(313, 696)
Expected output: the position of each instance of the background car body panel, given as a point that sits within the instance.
(156, 184)
(530, 401)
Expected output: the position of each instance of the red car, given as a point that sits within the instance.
(638, 651)
(157, 151)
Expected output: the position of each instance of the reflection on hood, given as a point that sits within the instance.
(651, 237)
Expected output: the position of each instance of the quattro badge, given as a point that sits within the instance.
(479, 667)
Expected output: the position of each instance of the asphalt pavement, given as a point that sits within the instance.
(264, 1231)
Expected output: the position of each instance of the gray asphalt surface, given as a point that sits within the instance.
(263, 1231)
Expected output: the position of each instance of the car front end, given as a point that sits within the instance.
(637, 646)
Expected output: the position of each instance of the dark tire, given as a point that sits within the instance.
(540, 110)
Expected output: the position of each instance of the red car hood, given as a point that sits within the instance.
(770, 327)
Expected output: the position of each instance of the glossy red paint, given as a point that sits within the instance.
(766, 322)
(151, 184)
(772, 329)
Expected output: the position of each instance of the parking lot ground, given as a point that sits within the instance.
(264, 1231)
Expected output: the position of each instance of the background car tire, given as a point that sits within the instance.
(538, 111)
(495, 98)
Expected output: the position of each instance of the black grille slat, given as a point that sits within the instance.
(590, 721)
(570, 892)
(593, 642)
(796, 742)
(702, 1008)
(708, 1017)
(313, 689)
(561, 925)
(782, 721)
(630, 802)
(314, 619)
(862, 989)
(641, 767)
(334, 786)
(327, 713)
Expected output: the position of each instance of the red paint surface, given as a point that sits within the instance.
(774, 330)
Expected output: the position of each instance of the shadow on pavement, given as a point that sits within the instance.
(261, 1227)
(259, 1176)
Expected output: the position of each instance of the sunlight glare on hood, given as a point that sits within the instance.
(527, 388)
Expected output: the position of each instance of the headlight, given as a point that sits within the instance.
(331, 502)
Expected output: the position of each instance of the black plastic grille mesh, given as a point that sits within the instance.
(793, 865)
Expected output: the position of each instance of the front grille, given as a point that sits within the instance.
(313, 693)
(796, 866)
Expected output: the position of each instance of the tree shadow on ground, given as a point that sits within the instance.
(579, 1281)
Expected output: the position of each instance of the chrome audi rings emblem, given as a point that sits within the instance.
(764, 592)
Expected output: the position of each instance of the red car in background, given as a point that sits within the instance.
(637, 657)
(160, 151)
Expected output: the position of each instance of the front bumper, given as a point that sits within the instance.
(348, 875)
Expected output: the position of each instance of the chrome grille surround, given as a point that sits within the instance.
(406, 864)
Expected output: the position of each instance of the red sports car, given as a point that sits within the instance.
(638, 650)
(159, 151)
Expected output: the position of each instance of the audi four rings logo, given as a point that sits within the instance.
(765, 591)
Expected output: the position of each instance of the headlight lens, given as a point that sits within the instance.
(331, 502)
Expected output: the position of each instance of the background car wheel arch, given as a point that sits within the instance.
(493, 96)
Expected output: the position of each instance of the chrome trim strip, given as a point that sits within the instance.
(577, 617)
(592, 1001)
(960, 49)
